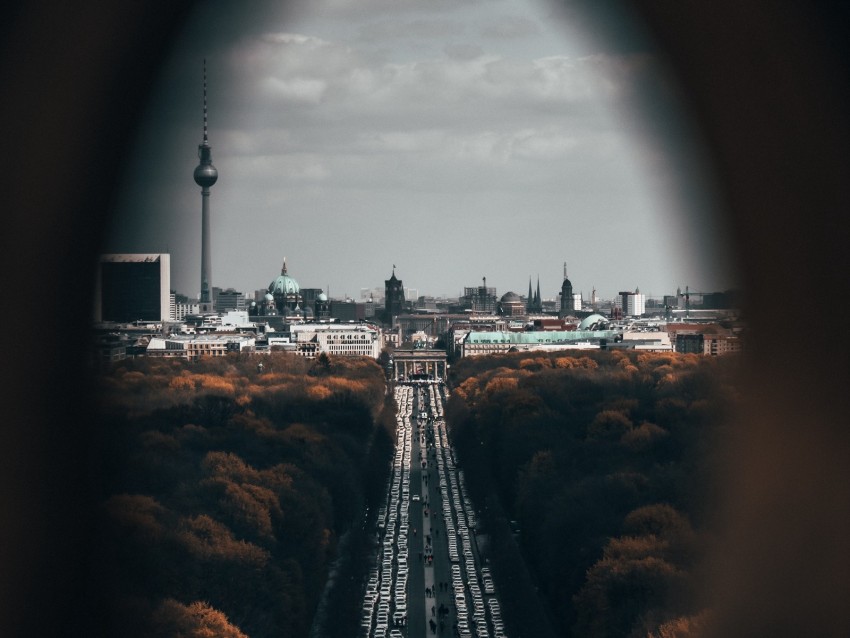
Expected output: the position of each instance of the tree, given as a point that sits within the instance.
(322, 365)
(197, 620)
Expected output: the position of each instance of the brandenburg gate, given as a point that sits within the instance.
(421, 362)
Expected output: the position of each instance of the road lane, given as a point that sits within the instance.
(428, 578)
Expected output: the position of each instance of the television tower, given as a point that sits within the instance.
(205, 176)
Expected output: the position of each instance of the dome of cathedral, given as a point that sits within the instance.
(510, 296)
(269, 297)
(322, 297)
(284, 284)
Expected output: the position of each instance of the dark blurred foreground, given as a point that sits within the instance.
(767, 82)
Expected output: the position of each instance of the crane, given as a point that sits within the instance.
(687, 295)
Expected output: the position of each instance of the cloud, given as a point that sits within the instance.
(510, 27)
(327, 111)
(296, 89)
(389, 30)
(463, 51)
(364, 10)
(398, 111)
(276, 169)
(288, 70)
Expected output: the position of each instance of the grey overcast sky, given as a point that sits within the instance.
(455, 139)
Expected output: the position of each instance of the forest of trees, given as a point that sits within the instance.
(224, 490)
(607, 464)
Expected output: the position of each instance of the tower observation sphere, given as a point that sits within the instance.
(205, 174)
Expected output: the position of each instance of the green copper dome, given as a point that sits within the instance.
(284, 284)
(593, 320)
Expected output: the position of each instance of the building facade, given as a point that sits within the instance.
(311, 339)
(229, 299)
(193, 347)
(512, 305)
(480, 299)
(481, 343)
(633, 303)
(133, 287)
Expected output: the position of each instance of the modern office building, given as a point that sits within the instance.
(229, 299)
(480, 299)
(633, 303)
(133, 287)
(344, 310)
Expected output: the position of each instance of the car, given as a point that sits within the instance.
(415, 497)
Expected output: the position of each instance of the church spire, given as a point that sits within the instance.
(538, 301)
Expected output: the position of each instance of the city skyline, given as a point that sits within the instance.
(453, 143)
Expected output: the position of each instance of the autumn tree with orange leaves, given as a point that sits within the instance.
(606, 461)
(224, 490)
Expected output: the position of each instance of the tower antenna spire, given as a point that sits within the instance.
(205, 100)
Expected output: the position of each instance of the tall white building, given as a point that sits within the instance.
(633, 303)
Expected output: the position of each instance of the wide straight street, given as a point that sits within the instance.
(429, 577)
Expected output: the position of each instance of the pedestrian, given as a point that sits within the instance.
(433, 610)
